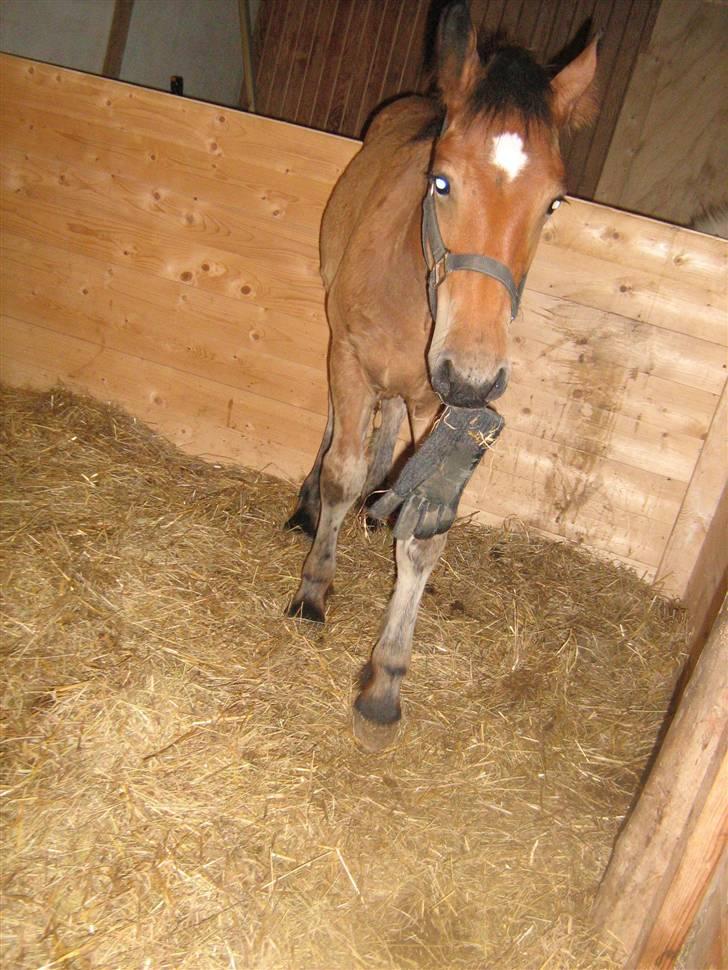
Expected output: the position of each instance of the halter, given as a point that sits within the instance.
(444, 262)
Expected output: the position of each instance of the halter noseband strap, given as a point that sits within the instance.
(444, 262)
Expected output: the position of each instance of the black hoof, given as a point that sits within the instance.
(303, 610)
(378, 710)
(301, 521)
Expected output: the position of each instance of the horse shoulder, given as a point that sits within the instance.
(390, 138)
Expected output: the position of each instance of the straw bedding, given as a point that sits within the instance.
(180, 785)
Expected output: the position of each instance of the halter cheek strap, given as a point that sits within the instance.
(444, 262)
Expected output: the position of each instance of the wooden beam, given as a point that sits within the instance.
(668, 851)
(246, 43)
(117, 38)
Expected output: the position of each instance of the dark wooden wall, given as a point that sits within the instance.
(328, 63)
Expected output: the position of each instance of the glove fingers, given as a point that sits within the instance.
(409, 517)
(385, 505)
(435, 520)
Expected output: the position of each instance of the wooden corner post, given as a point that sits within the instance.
(669, 849)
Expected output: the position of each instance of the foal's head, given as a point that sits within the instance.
(496, 175)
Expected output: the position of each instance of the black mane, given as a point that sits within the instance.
(512, 82)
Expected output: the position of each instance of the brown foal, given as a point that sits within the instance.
(486, 151)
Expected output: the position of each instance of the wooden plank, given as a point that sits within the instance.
(707, 944)
(200, 416)
(390, 82)
(666, 852)
(218, 131)
(159, 208)
(588, 519)
(263, 192)
(282, 278)
(271, 79)
(708, 583)
(661, 279)
(594, 497)
(70, 291)
(679, 357)
(154, 320)
(360, 107)
(696, 262)
(702, 504)
(413, 54)
(666, 251)
(557, 332)
(388, 12)
(356, 66)
(617, 55)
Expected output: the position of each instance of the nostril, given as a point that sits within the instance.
(499, 384)
(444, 377)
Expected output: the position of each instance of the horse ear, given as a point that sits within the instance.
(575, 100)
(457, 54)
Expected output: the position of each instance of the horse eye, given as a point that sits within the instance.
(554, 205)
(442, 186)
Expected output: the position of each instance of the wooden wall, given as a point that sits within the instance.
(669, 153)
(328, 63)
(162, 253)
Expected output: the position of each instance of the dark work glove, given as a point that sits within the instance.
(432, 481)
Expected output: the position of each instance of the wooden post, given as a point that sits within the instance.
(245, 41)
(117, 38)
(668, 851)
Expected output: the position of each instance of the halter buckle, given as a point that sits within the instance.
(439, 270)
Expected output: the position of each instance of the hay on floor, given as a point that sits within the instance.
(180, 785)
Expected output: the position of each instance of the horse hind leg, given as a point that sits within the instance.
(343, 472)
(377, 708)
(308, 504)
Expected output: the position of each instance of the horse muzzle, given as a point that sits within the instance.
(463, 390)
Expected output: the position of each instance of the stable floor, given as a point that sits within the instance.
(182, 790)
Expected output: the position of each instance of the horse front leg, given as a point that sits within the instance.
(343, 472)
(377, 708)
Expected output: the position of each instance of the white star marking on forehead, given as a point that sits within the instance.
(508, 154)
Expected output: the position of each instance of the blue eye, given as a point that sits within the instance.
(554, 205)
(442, 186)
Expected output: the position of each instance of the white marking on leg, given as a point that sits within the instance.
(508, 154)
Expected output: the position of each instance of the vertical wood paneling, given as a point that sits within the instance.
(328, 63)
(669, 154)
